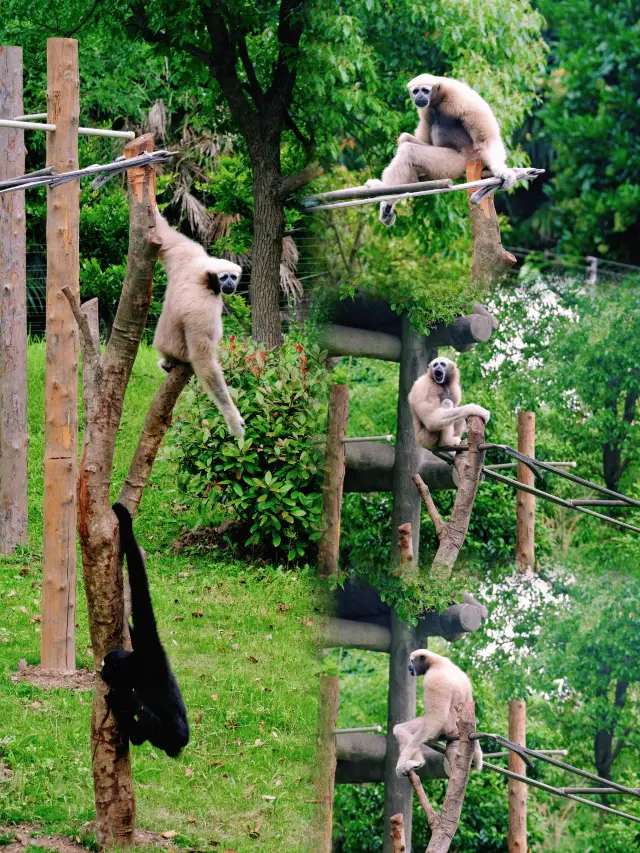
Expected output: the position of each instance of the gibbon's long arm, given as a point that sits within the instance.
(144, 623)
(436, 420)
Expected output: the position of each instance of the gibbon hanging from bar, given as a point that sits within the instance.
(434, 400)
(190, 326)
(455, 125)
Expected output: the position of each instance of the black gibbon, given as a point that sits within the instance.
(455, 125)
(445, 686)
(144, 696)
(190, 326)
(434, 400)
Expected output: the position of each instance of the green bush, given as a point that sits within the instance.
(270, 479)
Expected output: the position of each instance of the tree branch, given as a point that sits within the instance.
(432, 509)
(292, 183)
(140, 22)
(432, 817)
(83, 324)
(290, 28)
(307, 144)
(398, 843)
(239, 40)
(156, 424)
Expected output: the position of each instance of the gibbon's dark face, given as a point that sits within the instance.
(418, 664)
(421, 96)
(228, 282)
(440, 370)
(118, 669)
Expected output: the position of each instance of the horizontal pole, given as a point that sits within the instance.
(515, 465)
(560, 792)
(595, 502)
(351, 439)
(356, 729)
(515, 484)
(506, 753)
(374, 192)
(83, 131)
(594, 791)
(396, 193)
(30, 117)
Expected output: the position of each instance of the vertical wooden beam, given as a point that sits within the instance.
(326, 761)
(13, 315)
(57, 647)
(334, 470)
(490, 262)
(526, 503)
(517, 790)
(398, 793)
(398, 844)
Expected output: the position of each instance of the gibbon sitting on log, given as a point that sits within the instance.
(434, 400)
(455, 125)
(445, 686)
(190, 326)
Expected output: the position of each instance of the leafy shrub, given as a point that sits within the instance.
(270, 479)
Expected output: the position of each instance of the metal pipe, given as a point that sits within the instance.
(593, 790)
(506, 753)
(589, 502)
(352, 439)
(515, 465)
(30, 117)
(558, 791)
(357, 729)
(374, 192)
(83, 131)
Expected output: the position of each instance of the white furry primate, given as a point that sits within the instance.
(445, 686)
(190, 326)
(434, 400)
(455, 125)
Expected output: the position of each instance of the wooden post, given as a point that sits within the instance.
(414, 358)
(490, 261)
(517, 790)
(334, 470)
(57, 646)
(326, 761)
(13, 315)
(526, 503)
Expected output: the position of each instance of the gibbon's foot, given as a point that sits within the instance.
(387, 214)
(373, 182)
(235, 425)
(508, 178)
(403, 768)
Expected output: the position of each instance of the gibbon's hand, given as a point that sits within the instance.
(235, 425)
(508, 178)
(403, 769)
(481, 412)
(387, 214)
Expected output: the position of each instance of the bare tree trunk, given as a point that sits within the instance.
(266, 251)
(57, 640)
(13, 315)
(517, 839)
(490, 261)
(332, 487)
(525, 502)
(328, 702)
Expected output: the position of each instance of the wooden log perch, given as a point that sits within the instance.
(451, 534)
(490, 262)
(443, 824)
(397, 834)
(328, 703)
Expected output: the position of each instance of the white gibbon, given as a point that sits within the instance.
(434, 400)
(445, 686)
(455, 125)
(190, 326)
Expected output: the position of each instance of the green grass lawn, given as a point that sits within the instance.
(241, 642)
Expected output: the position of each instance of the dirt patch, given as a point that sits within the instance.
(5, 772)
(22, 837)
(217, 538)
(50, 679)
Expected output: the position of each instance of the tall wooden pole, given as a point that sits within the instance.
(526, 503)
(517, 790)
(57, 648)
(13, 315)
(334, 470)
(328, 703)
(398, 793)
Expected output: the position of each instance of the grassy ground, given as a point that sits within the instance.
(240, 639)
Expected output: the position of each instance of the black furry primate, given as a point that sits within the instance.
(144, 695)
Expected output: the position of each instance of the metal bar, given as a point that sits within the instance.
(30, 117)
(505, 754)
(357, 729)
(589, 502)
(558, 791)
(28, 179)
(593, 791)
(515, 465)
(352, 439)
(98, 131)
(373, 192)
(534, 753)
(25, 125)
(560, 501)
